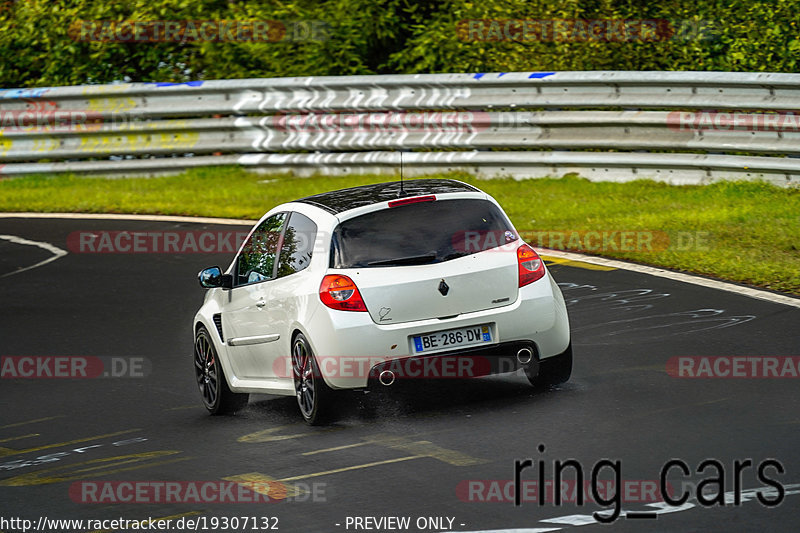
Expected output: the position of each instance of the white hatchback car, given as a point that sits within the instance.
(341, 290)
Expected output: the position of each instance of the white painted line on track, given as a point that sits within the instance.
(677, 276)
(572, 256)
(56, 251)
(661, 508)
(144, 218)
(525, 530)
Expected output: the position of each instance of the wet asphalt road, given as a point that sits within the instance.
(426, 452)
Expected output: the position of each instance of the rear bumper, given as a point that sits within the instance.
(349, 345)
(457, 364)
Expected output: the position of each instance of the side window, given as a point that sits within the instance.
(298, 243)
(257, 260)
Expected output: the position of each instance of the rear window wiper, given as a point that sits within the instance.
(454, 255)
(410, 260)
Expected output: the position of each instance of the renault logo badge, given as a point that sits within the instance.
(443, 288)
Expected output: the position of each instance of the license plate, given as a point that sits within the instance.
(452, 338)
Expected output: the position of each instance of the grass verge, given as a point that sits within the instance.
(747, 232)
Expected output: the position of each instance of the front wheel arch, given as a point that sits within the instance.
(210, 376)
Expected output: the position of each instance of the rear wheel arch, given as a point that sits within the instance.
(553, 370)
(315, 399)
(295, 332)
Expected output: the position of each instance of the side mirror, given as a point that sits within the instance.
(212, 278)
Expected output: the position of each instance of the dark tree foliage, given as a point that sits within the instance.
(61, 42)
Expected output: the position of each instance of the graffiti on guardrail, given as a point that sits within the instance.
(130, 142)
(468, 122)
(5, 144)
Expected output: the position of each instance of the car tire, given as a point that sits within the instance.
(314, 397)
(217, 396)
(552, 370)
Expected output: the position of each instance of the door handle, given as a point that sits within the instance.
(260, 304)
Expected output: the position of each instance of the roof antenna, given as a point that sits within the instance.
(402, 191)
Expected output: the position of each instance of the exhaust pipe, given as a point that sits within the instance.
(386, 378)
(524, 356)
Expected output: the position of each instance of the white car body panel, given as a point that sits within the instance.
(475, 282)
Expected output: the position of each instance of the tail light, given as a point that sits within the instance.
(339, 292)
(530, 265)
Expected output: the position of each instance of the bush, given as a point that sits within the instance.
(38, 48)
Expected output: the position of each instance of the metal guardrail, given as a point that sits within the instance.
(683, 127)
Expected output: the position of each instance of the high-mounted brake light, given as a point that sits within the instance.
(339, 292)
(529, 264)
(414, 200)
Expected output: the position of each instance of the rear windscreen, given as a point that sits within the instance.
(420, 233)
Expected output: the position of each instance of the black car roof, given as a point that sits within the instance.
(345, 199)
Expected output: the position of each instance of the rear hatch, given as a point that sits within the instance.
(429, 259)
